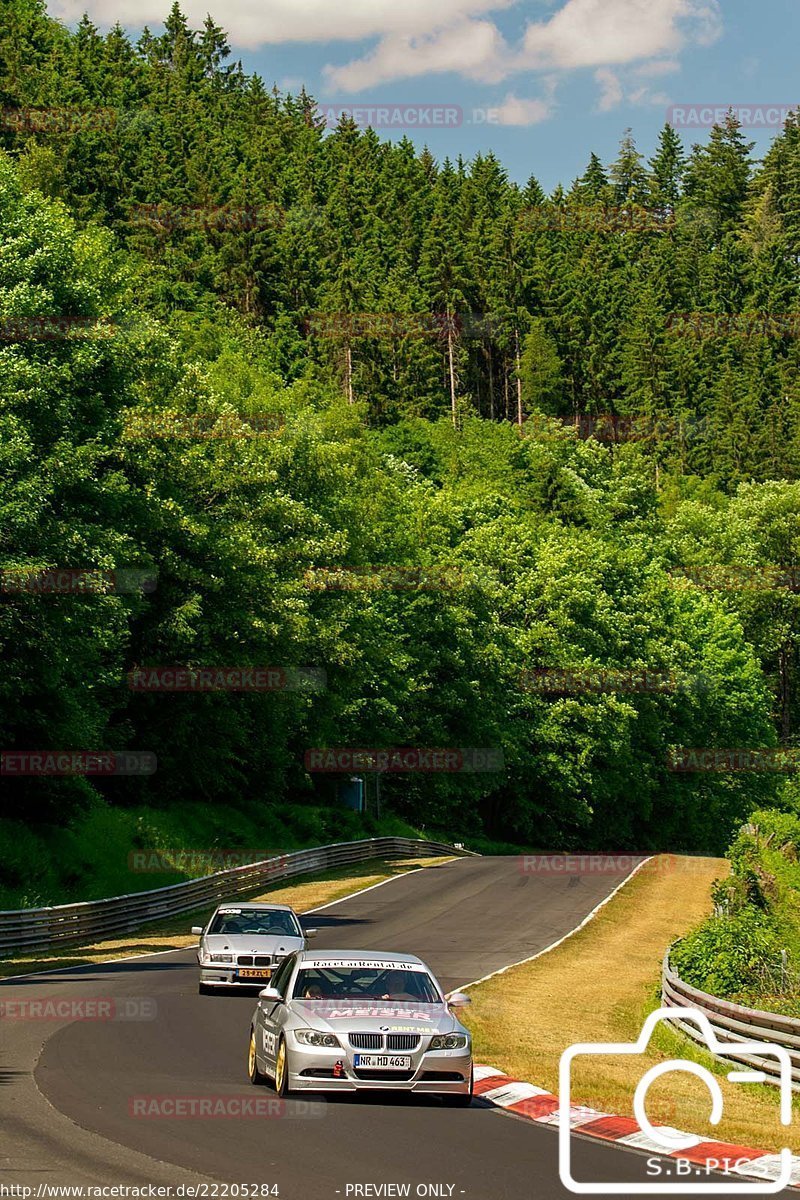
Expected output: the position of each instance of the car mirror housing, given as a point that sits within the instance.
(311, 933)
(458, 1000)
(270, 993)
(198, 930)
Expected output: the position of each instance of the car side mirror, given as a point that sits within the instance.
(270, 993)
(311, 933)
(459, 1000)
(198, 930)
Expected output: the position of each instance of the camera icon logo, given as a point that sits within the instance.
(666, 1141)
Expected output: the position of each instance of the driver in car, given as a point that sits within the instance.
(396, 986)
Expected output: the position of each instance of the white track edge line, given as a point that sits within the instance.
(566, 937)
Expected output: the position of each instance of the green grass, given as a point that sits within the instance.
(92, 858)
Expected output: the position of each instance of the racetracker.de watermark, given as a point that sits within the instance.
(19, 763)
(226, 1108)
(598, 680)
(727, 578)
(227, 679)
(202, 426)
(77, 581)
(740, 325)
(778, 759)
(388, 326)
(50, 327)
(596, 218)
(55, 120)
(749, 116)
(80, 1008)
(617, 427)
(383, 577)
(580, 865)
(388, 115)
(209, 218)
(408, 760)
(202, 862)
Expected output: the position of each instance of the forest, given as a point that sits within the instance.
(463, 465)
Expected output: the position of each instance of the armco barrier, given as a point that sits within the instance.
(732, 1023)
(39, 928)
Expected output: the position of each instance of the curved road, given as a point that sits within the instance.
(71, 1121)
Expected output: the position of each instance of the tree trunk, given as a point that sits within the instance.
(349, 359)
(785, 692)
(491, 383)
(452, 370)
(519, 379)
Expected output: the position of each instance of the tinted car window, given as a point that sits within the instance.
(280, 979)
(255, 921)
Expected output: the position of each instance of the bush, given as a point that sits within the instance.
(731, 954)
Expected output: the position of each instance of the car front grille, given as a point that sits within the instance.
(260, 960)
(379, 1041)
(367, 1041)
(402, 1041)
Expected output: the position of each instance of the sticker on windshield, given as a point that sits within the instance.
(368, 965)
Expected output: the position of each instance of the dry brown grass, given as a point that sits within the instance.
(173, 934)
(598, 987)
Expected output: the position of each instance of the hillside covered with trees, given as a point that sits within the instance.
(288, 352)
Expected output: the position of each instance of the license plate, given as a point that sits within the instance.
(246, 974)
(383, 1062)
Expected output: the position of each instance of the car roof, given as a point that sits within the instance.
(249, 904)
(366, 956)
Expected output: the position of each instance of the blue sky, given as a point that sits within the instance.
(540, 82)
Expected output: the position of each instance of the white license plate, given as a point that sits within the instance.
(383, 1062)
(244, 973)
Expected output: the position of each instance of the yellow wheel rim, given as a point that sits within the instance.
(280, 1066)
(251, 1056)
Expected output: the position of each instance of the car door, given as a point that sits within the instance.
(273, 1012)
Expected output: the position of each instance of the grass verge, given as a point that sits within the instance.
(303, 894)
(599, 986)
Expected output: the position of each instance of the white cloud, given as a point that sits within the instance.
(593, 33)
(644, 97)
(611, 89)
(598, 34)
(516, 111)
(474, 49)
(252, 23)
(657, 68)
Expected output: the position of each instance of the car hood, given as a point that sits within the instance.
(334, 1016)
(251, 943)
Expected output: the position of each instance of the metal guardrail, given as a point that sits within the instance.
(40, 928)
(733, 1023)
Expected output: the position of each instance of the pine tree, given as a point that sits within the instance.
(718, 175)
(667, 167)
(629, 175)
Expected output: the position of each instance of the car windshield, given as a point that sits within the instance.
(365, 983)
(255, 921)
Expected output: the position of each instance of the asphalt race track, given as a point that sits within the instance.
(66, 1085)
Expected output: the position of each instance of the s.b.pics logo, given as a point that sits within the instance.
(673, 1174)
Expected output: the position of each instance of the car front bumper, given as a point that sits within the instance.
(224, 976)
(439, 1071)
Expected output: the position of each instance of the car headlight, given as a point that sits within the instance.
(310, 1037)
(449, 1041)
(222, 958)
